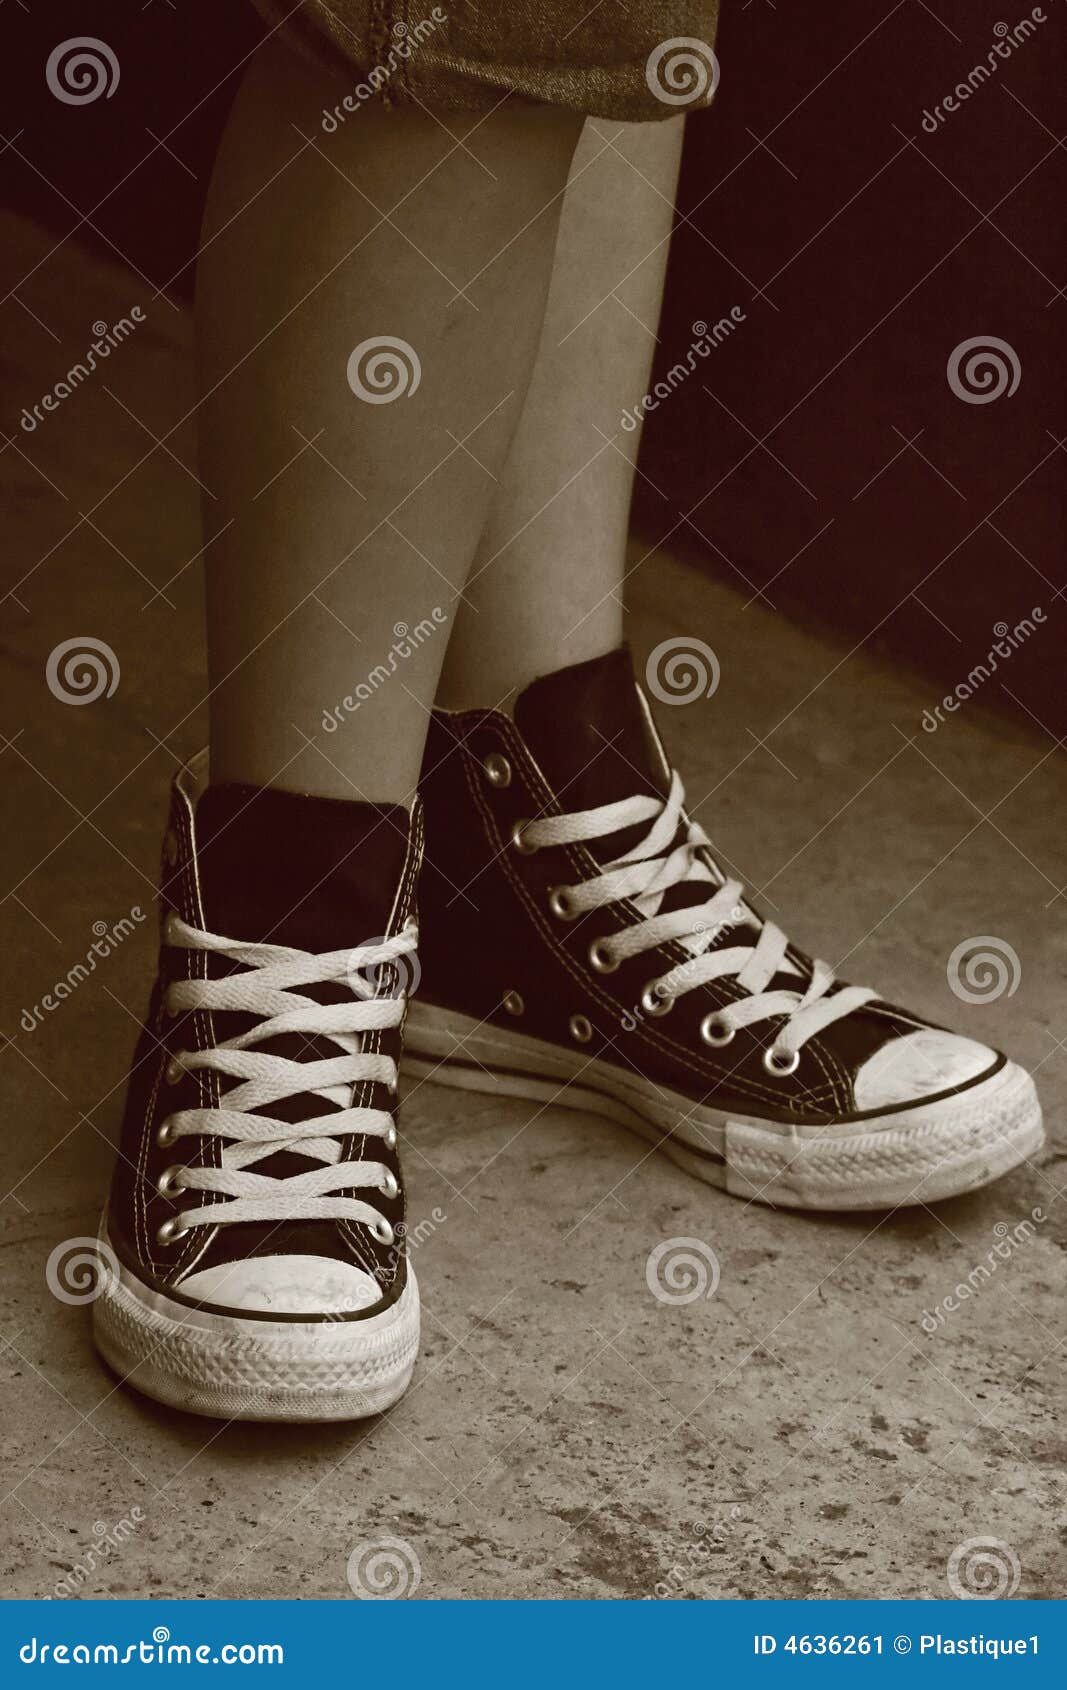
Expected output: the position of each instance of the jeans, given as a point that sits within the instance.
(630, 60)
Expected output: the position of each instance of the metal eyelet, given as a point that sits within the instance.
(497, 769)
(170, 847)
(602, 957)
(382, 1231)
(166, 1134)
(390, 1188)
(390, 1137)
(715, 1031)
(170, 921)
(173, 1072)
(518, 838)
(513, 1003)
(781, 1062)
(560, 905)
(169, 1181)
(654, 1002)
(171, 1229)
(169, 1008)
(581, 1028)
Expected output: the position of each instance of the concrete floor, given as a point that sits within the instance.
(797, 1434)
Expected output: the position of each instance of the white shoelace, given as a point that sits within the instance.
(267, 990)
(644, 875)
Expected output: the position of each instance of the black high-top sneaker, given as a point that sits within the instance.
(580, 945)
(253, 1229)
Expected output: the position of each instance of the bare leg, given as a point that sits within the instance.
(337, 522)
(548, 574)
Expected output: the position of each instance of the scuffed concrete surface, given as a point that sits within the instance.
(797, 1434)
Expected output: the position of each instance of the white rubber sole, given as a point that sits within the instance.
(237, 1369)
(916, 1155)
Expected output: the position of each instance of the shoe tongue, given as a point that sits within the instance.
(314, 873)
(587, 729)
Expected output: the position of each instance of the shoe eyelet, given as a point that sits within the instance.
(170, 922)
(518, 838)
(170, 847)
(169, 1181)
(171, 1229)
(390, 1187)
(513, 1003)
(602, 957)
(390, 1137)
(581, 1028)
(382, 1231)
(715, 1031)
(780, 1062)
(654, 1002)
(560, 905)
(173, 1072)
(169, 1008)
(497, 769)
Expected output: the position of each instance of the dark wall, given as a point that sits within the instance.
(818, 454)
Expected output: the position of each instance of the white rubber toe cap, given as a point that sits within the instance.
(312, 1285)
(918, 1065)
